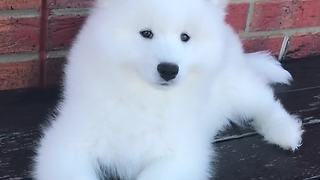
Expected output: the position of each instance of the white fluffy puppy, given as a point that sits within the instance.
(148, 85)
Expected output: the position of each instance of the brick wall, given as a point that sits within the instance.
(263, 24)
(35, 35)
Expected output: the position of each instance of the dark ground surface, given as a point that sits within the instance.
(242, 154)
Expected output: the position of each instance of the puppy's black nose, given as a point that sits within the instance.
(168, 71)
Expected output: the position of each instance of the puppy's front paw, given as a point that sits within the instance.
(291, 138)
(288, 135)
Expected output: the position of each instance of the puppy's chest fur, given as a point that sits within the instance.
(150, 127)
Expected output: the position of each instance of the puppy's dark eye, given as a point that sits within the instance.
(184, 37)
(148, 34)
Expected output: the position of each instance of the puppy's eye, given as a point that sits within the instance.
(148, 34)
(184, 37)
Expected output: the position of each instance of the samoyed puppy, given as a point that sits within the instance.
(148, 85)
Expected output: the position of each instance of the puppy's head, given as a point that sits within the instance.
(163, 42)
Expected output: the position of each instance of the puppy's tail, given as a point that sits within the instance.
(268, 68)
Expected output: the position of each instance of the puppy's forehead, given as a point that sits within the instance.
(168, 11)
(172, 6)
(159, 15)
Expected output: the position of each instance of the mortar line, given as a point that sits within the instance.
(19, 57)
(249, 16)
(58, 54)
(19, 13)
(281, 32)
(43, 41)
(70, 11)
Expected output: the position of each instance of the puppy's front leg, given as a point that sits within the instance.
(270, 119)
(61, 159)
(277, 125)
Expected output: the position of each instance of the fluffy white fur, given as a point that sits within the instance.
(116, 113)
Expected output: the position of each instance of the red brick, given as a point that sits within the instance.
(19, 4)
(304, 45)
(70, 3)
(271, 44)
(19, 34)
(282, 14)
(19, 75)
(54, 72)
(62, 31)
(237, 16)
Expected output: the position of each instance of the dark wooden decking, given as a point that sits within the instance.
(242, 154)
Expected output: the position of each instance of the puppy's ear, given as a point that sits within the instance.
(220, 3)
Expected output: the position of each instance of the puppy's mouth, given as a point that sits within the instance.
(165, 84)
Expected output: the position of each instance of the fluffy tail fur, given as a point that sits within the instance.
(268, 68)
